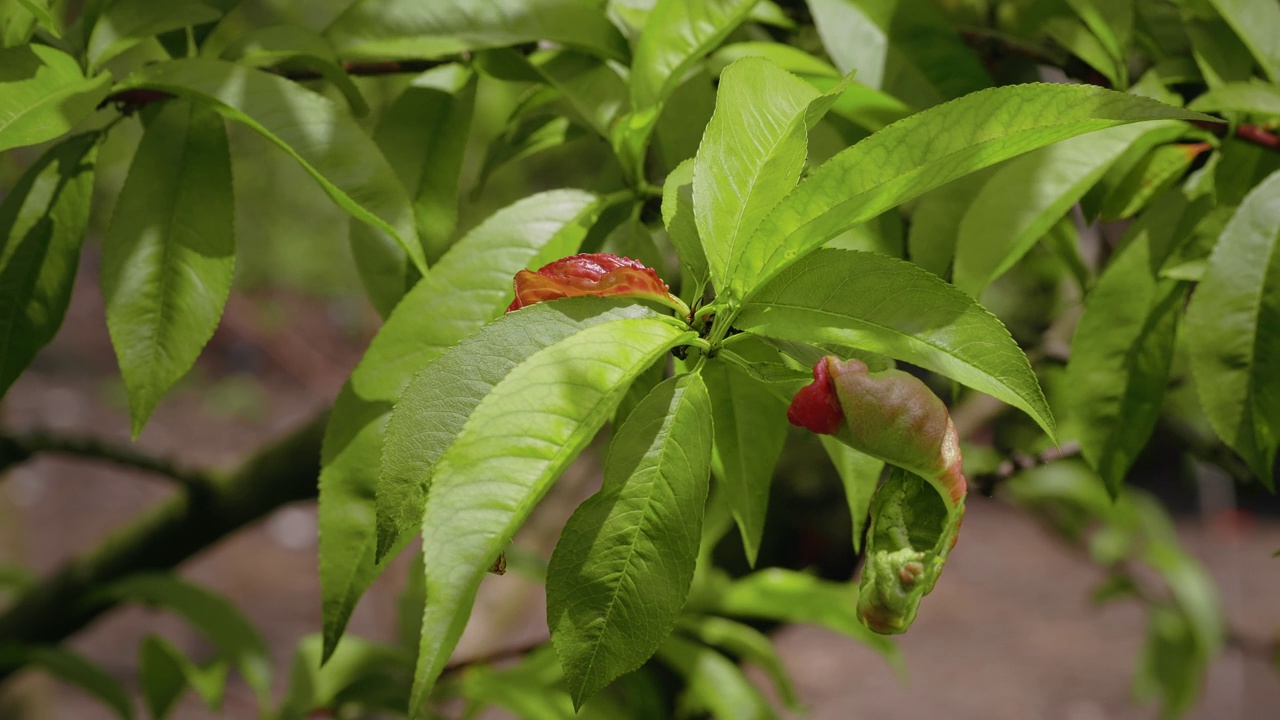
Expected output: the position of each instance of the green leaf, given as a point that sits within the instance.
(796, 597)
(905, 48)
(1171, 666)
(621, 571)
(713, 681)
(677, 34)
(1159, 169)
(860, 475)
(894, 308)
(409, 29)
(126, 23)
(1232, 323)
(469, 287)
(43, 94)
(749, 645)
(893, 166)
(328, 144)
(1120, 358)
(169, 254)
(164, 673)
(682, 228)
(935, 222)
(751, 156)
(361, 672)
(72, 669)
(43, 220)
(530, 689)
(1219, 53)
(514, 445)
(750, 429)
(1111, 21)
(525, 137)
(1248, 97)
(39, 10)
(221, 623)
(1077, 39)
(1258, 25)
(592, 87)
(1027, 196)
(295, 47)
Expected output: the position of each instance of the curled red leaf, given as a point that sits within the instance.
(596, 274)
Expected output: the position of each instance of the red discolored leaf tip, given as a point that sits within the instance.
(816, 406)
(595, 274)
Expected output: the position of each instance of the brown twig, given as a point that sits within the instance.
(15, 449)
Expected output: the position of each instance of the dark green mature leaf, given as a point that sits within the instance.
(892, 166)
(469, 287)
(293, 46)
(1219, 54)
(621, 571)
(1121, 354)
(905, 48)
(221, 623)
(1233, 327)
(750, 429)
(514, 445)
(125, 23)
(677, 34)
(73, 669)
(682, 228)
(1027, 196)
(42, 226)
(169, 255)
(409, 29)
(749, 645)
(877, 303)
(1258, 25)
(43, 94)
(165, 672)
(331, 147)
(751, 156)
(714, 682)
(860, 475)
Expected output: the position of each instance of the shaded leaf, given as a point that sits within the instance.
(677, 216)
(860, 475)
(1258, 25)
(713, 682)
(749, 645)
(125, 23)
(368, 674)
(165, 672)
(295, 47)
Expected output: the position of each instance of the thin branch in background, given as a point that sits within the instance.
(15, 449)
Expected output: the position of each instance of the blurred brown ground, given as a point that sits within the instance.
(1009, 632)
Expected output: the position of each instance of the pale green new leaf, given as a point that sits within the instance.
(749, 645)
(682, 228)
(750, 429)
(169, 255)
(713, 682)
(125, 23)
(1120, 357)
(43, 94)
(221, 623)
(411, 29)
(893, 165)
(676, 34)
(327, 142)
(860, 475)
(293, 46)
(621, 571)
(1258, 25)
(468, 288)
(43, 219)
(877, 303)
(513, 447)
(751, 156)
(1026, 197)
(1233, 328)
(73, 669)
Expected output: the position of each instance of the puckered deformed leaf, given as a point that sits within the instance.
(594, 274)
(621, 571)
(877, 303)
(411, 29)
(894, 165)
(169, 254)
(467, 289)
(1233, 328)
(42, 226)
(514, 445)
(313, 130)
(43, 94)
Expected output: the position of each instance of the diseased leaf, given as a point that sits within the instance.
(72, 669)
(892, 166)
(713, 682)
(1027, 196)
(467, 289)
(410, 29)
(43, 94)
(514, 445)
(169, 254)
(750, 429)
(331, 147)
(43, 220)
(1258, 25)
(860, 475)
(125, 23)
(621, 571)
(869, 301)
(1232, 328)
